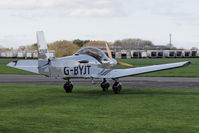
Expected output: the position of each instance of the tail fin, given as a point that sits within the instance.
(43, 54)
(42, 46)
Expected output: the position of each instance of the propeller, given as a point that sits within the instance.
(108, 51)
(124, 64)
(110, 56)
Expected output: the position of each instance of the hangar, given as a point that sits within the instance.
(123, 54)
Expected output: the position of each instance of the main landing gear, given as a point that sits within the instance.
(68, 86)
(117, 87)
(105, 85)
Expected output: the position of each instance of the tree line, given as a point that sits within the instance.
(65, 48)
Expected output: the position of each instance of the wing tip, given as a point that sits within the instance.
(12, 64)
(187, 63)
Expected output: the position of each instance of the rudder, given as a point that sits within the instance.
(43, 54)
(42, 46)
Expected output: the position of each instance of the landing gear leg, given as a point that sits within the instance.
(117, 87)
(105, 85)
(68, 86)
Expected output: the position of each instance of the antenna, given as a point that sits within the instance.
(170, 41)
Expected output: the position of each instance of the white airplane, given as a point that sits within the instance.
(88, 62)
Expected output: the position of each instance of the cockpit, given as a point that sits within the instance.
(94, 52)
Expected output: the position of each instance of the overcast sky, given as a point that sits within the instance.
(107, 20)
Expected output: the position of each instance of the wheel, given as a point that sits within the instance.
(68, 87)
(117, 87)
(104, 89)
(105, 85)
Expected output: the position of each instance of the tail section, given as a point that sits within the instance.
(43, 54)
(41, 42)
(42, 46)
(41, 65)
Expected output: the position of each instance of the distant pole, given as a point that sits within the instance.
(170, 41)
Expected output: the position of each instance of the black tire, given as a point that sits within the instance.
(104, 89)
(68, 87)
(117, 87)
(105, 85)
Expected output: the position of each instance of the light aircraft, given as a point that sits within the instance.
(88, 62)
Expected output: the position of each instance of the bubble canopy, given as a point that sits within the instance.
(94, 52)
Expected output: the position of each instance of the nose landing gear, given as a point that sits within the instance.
(105, 85)
(68, 86)
(117, 87)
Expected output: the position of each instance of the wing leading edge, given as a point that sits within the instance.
(27, 65)
(118, 73)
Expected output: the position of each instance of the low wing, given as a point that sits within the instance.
(27, 65)
(118, 73)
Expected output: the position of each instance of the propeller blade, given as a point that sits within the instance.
(108, 51)
(124, 64)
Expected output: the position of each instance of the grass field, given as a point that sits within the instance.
(190, 71)
(30, 109)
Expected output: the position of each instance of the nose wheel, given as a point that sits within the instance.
(117, 87)
(105, 85)
(68, 86)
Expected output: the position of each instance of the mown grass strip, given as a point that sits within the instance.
(31, 108)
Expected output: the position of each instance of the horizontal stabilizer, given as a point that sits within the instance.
(26, 65)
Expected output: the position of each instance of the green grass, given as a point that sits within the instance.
(9, 70)
(28, 109)
(189, 71)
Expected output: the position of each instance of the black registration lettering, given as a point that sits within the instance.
(81, 69)
(88, 69)
(66, 70)
(84, 70)
(75, 70)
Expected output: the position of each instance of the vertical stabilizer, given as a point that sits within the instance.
(43, 54)
(41, 40)
(42, 46)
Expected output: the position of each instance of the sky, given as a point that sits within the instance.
(107, 20)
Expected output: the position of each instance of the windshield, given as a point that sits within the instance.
(94, 52)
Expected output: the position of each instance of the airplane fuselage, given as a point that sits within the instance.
(77, 66)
